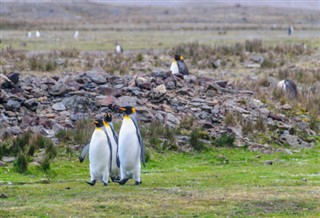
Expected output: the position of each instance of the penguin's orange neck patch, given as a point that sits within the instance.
(126, 117)
(105, 123)
(98, 128)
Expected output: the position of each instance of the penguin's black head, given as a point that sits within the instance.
(128, 110)
(98, 122)
(177, 57)
(108, 118)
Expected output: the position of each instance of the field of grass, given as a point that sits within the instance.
(221, 182)
(139, 40)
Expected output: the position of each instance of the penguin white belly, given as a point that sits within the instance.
(174, 68)
(129, 148)
(115, 170)
(99, 155)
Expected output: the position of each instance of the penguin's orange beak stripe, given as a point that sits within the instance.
(123, 109)
(96, 122)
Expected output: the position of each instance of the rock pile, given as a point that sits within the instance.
(47, 104)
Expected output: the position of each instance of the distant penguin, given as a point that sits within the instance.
(99, 155)
(76, 34)
(38, 34)
(113, 138)
(290, 30)
(289, 87)
(131, 148)
(178, 66)
(29, 34)
(119, 49)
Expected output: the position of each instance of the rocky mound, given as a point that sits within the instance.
(46, 105)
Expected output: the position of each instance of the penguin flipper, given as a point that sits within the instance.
(142, 158)
(84, 153)
(110, 147)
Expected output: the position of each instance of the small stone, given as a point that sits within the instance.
(13, 104)
(269, 162)
(286, 107)
(4, 195)
(59, 106)
(8, 159)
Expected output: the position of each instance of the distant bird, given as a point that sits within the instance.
(99, 155)
(131, 148)
(38, 34)
(178, 66)
(119, 49)
(29, 34)
(289, 87)
(290, 30)
(76, 34)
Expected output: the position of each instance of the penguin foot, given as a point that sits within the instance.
(105, 184)
(138, 183)
(123, 181)
(92, 183)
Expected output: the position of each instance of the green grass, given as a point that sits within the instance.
(174, 184)
(137, 40)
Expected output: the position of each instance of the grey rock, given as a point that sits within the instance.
(13, 105)
(59, 106)
(97, 76)
(172, 120)
(58, 89)
(222, 83)
(31, 104)
(302, 125)
(105, 101)
(160, 72)
(253, 66)
(8, 159)
(257, 58)
(79, 103)
(3, 96)
(142, 82)
(158, 92)
(59, 61)
(216, 63)
(294, 141)
(126, 101)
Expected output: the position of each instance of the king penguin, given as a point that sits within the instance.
(289, 87)
(131, 148)
(113, 139)
(99, 155)
(178, 66)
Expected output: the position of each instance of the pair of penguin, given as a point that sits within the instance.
(113, 156)
(178, 66)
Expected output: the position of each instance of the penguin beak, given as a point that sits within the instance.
(122, 109)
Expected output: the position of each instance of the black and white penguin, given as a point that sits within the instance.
(119, 48)
(113, 138)
(76, 34)
(99, 155)
(38, 34)
(131, 148)
(289, 87)
(178, 66)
